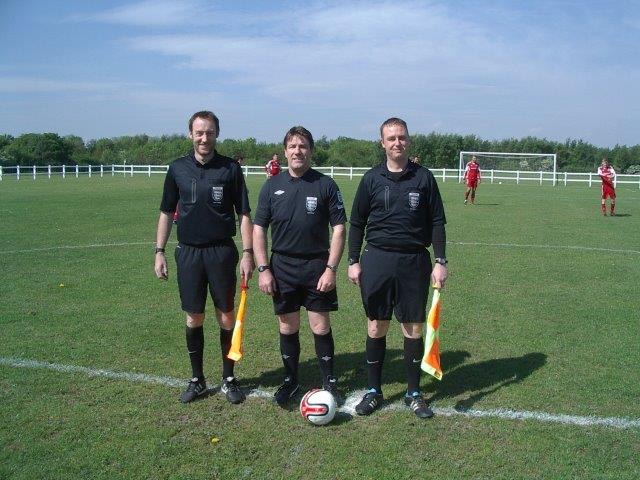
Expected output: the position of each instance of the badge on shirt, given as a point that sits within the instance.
(340, 201)
(312, 204)
(217, 194)
(414, 200)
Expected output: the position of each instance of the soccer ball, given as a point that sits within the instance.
(318, 406)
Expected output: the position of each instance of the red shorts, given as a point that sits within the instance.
(608, 191)
(472, 183)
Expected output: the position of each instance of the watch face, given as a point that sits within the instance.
(262, 268)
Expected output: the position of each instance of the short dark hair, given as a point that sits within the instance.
(208, 115)
(393, 121)
(298, 132)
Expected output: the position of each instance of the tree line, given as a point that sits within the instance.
(436, 150)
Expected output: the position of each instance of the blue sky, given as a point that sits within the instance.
(496, 69)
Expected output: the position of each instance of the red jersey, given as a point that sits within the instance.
(472, 171)
(607, 174)
(272, 167)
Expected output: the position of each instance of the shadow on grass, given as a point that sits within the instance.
(351, 370)
(484, 378)
(478, 380)
(621, 215)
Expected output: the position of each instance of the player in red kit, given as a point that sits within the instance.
(472, 178)
(607, 175)
(273, 166)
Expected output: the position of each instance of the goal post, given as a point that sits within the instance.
(511, 162)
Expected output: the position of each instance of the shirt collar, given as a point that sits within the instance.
(409, 170)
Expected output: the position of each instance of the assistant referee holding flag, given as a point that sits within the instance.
(209, 189)
(300, 203)
(399, 205)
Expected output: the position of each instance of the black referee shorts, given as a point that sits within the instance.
(395, 283)
(296, 282)
(202, 267)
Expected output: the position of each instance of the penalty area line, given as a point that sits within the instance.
(350, 401)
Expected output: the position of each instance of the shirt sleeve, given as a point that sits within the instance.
(337, 215)
(263, 210)
(435, 204)
(170, 193)
(241, 197)
(359, 216)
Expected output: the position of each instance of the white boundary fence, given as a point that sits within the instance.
(442, 174)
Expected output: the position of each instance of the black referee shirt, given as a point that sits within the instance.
(399, 215)
(299, 211)
(208, 196)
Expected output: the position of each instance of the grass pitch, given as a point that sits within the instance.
(540, 315)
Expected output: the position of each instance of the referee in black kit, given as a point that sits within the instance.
(399, 205)
(300, 204)
(208, 188)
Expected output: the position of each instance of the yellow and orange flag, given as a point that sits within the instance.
(235, 352)
(431, 361)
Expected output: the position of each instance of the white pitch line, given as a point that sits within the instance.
(350, 401)
(555, 247)
(472, 244)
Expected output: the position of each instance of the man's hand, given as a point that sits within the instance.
(266, 282)
(354, 273)
(327, 281)
(161, 269)
(247, 266)
(439, 275)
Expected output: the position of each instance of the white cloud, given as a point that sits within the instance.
(152, 13)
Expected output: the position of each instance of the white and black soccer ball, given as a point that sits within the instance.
(318, 406)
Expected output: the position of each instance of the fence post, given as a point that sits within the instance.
(101, 171)
(113, 169)
(0, 173)
(64, 171)
(540, 177)
(351, 173)
(34, 172)
(89, 170)
(517, 177)
(565, 179)
(77, 170)
(17, 172)
(491, 175)
(49, 171)
(149, 171)
(590, 179)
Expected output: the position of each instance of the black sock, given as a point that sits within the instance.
(290, 351)
(195, 347)
(413, 352)
(375, 351)
(225, 346)
(324, 351)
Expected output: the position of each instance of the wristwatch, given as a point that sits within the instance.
(353, 260)
(159, 250)
(441, 261)
(333, 268)
(262, 268)
(248, 250)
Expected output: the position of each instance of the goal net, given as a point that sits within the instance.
(533, 166)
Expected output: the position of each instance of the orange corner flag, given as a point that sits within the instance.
(431, 361)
